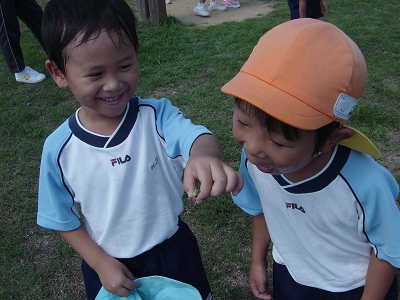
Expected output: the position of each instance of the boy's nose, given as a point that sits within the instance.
(112, 84)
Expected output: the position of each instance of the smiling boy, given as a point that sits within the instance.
(311, 186)
(118, 161)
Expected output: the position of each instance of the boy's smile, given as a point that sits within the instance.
(265, 169)
(103, 75)
(274, 154)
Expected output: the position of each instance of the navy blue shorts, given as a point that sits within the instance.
(285, 288)
(313, 9)
(177, 257)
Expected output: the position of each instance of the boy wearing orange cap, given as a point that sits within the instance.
(311, 185)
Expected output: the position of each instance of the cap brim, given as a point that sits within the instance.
(361, 143)
(290, 110)
(279, 104)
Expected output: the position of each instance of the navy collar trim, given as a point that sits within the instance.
(104, 141)
(322, 180)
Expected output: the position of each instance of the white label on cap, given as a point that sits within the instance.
(344, 106)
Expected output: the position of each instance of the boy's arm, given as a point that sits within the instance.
(205, 165)
(114, 276)
(258, 280)
(380, 276)
(324, 7)
(303, 8)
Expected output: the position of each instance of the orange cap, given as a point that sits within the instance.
(305, 73)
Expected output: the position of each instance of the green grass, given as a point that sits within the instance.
(188, 65)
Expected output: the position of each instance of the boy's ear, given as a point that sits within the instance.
(336, 137)
(56, 74)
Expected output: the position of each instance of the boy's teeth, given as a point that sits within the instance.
(110, 99)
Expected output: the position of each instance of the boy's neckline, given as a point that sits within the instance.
(316, 165)
(101, 126)
(103, 141)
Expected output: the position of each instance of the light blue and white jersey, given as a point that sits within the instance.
(324, 228)
(126, 186)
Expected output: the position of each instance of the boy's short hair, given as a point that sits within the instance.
(64, 20)
(306, 73)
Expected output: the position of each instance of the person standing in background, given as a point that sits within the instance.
(315, 9)
(202, 12)
(31, 14)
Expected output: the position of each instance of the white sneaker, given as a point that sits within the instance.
(215, 6)
(231, 3)
(29, 75)
(200, 11)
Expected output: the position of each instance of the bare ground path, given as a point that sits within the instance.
(183, 10)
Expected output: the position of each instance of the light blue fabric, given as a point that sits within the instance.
(156, 288)
(248, 198)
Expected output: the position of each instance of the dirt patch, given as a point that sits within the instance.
(183, 10)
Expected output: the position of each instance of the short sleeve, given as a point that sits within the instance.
(248, 198)
(56, 208)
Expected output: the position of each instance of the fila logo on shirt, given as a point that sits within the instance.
(154, 164)
(119, 160)
(294, 206)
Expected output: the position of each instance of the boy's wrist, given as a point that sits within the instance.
(258, 261)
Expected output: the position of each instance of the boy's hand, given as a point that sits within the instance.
(205, 165)
(380, 275)
(258, 281)
(215, 177)
(324, 7)
(116, 277)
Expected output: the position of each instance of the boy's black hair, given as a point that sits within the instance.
(63, 20)
(289, 132)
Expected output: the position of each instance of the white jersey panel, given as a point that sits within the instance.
(311, 228)
(129, 191)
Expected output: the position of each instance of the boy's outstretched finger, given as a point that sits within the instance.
(235, 181)
(213, 181)
(224, 180)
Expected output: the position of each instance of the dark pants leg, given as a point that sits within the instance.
(31, 14)
(313, 9)
(285, 288)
